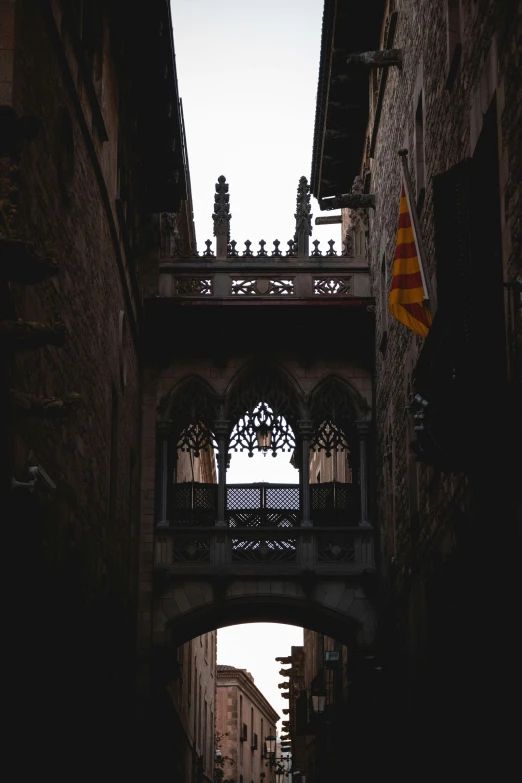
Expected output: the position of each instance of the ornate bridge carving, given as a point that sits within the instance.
(229, 272)
(224, 553)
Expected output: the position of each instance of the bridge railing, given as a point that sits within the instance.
(261, 505)
(332, 550)
(264, 529)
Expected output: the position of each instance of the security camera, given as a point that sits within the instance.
(37, 472)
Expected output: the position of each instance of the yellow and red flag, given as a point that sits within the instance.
(408, 294)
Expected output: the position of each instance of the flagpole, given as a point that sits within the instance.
(428, 289)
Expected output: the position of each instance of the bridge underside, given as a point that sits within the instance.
(335, 607)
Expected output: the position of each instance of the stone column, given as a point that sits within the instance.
(363, 428)
(221, 433)
(305, 432)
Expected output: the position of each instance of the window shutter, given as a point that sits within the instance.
(452, 214)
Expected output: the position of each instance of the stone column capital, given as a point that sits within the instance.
(363, 428)
(221, 428)
(305, 427)
(164, 427)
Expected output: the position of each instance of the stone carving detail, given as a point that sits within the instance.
(262, 286)
(328, 437)
(232, 252)
(221, 215)
(28, 405)
(197, 437)
(336, 286)
(31, 334)
(248, 253)
(349, 200)
(316, 251)
(255, 551)
(331, 251)
(303, 216)
(348, 245)
(332, 414)
(384, 58)
(208, 253)
(336, 549)
(292, 248)
(193, 286)
(190, 548)
(170, 236)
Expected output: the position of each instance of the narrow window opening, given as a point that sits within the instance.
(384, 305)
(113, 475)
(454, 40)
(65, 164)
(420, 166)
(92, 37)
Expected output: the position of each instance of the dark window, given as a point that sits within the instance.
(420, 166)
(384, 304)
(454, 40)
(113, 476)
(92, 38)
(65, 153)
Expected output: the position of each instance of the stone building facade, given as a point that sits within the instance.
(446, 470)
(244, 720)
(91, 155)
(189, 719)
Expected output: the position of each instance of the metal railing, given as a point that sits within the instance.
(264, 505)
(263, 528)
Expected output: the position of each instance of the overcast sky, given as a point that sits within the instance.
(247, 73)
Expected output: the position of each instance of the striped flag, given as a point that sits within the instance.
(408, 293)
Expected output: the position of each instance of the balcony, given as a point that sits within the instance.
(264, 531)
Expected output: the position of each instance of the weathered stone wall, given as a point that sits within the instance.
(452, 123)
(433, 534)
(193, 695)
(77, 544)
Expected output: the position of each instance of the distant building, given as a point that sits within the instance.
(244, 720)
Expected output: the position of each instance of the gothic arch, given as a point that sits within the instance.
(191, 398)
(264, 381)
(334, 386)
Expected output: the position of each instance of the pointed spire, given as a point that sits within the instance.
(221, 217)
(303, 217)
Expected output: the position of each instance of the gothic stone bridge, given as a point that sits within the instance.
(258, 351)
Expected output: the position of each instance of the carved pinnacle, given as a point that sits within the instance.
(303, 216)
(221, 215)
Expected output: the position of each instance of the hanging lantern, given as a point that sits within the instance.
(264, 437)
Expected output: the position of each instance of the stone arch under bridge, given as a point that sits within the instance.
(336, 607)
(293, 331)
